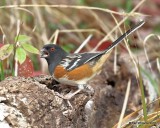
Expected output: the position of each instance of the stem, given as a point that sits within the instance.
(142, 93)
(2, 71)
(15, 65)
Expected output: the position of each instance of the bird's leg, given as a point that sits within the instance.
(69, 95)
(82, 87)
(72, 93)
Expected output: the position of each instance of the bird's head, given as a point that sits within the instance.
(53, 54)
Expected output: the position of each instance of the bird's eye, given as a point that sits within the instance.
(52, 49)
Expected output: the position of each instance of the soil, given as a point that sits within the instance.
(32, 102)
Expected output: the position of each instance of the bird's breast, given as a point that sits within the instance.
(79, 75)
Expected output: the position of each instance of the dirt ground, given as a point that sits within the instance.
(32, 102)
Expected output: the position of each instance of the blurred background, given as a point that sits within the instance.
(68, 23)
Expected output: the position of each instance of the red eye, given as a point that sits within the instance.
(52, 49)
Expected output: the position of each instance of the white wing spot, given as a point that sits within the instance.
(74, 64)
(66, 61)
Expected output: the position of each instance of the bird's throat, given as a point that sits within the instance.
(51, 68)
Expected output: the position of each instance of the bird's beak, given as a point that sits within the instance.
(44, 53)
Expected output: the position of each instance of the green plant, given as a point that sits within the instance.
(19, 50)
(24, 46)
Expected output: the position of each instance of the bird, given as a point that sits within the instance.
(76, 69)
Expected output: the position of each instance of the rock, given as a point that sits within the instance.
(26, 103)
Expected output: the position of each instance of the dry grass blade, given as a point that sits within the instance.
(75, 31)
(158, 64)
(146, 54)
(136, 119)
(145, 50)
(60, 15)
(124, 104)
(83, 44)
(75, 7)
(81, 30)
(129, 118)
(26, 10)
(56, 37)
(4, 35)
(41, 24)
(102, 25)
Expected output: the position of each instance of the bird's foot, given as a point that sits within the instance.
(87, 89)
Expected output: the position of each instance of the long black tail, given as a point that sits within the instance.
(124, 35)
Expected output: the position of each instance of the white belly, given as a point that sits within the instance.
(65, 81)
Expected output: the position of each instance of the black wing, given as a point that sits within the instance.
(75, 60)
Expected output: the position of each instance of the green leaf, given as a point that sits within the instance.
(5, 51)
(22, 38)
(30, 48)
(20, 55)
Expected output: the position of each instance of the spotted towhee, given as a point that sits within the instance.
(77, 69)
